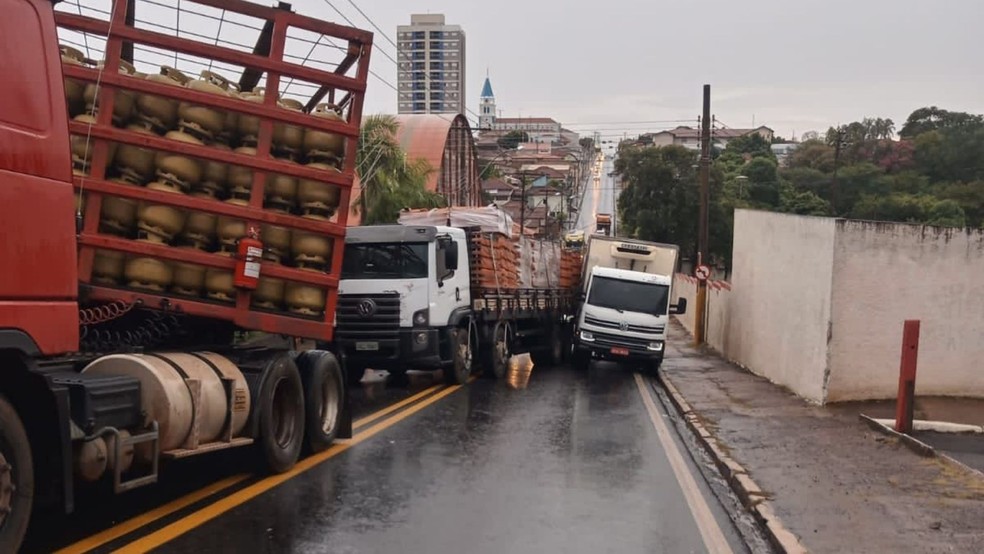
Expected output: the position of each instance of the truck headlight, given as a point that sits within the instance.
(587, 336)
(656, 346)
(421, 317)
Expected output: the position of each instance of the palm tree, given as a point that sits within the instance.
(390, 181)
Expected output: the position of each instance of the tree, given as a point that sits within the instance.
(752, 145)
(389, 181)
(763, 182)
(813, 154)
(659, 197)
(947, 213)
(932, 118)
(512, 140)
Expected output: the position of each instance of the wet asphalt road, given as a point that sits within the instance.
(573, 463)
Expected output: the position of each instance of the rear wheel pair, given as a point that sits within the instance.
(300, 407)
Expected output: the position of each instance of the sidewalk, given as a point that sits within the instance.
(832, 481)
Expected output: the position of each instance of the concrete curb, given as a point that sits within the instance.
(918, 446)
(752, 496)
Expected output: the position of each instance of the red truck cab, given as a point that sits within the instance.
(38, 279)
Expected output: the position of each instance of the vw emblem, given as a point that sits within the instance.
(623, 326)
(367, 307)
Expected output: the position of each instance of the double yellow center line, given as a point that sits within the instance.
(222, 505)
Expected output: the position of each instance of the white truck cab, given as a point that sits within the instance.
(401, 292)
(626, 303)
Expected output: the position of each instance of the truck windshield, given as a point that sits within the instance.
(629, 296)
(385, 261)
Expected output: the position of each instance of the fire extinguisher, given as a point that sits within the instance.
(249, 252)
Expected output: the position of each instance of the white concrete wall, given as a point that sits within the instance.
(718, 309)
(779, 308)
(887, 273)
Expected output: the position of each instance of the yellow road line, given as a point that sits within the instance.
(390, 409)
(137, 522)
(219, 507)
(708, 526)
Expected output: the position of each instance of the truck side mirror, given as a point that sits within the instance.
(451, 256)
(680, 307)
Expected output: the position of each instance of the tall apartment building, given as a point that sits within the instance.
(431, 56)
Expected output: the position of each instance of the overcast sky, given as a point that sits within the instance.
(795, 65)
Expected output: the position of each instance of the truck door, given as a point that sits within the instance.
(37, 221)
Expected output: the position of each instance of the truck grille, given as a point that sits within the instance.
(604, 339)
(369, 316)
(633, 328)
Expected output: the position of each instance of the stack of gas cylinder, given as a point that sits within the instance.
(182, 121)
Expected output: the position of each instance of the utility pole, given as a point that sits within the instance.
(522, 207)
(704, 180)
(839, 137)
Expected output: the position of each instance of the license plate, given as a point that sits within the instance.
(620, 351)
(367, 346)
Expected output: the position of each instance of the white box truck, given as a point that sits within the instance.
(625, 302)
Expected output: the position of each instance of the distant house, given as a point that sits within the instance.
(539, 129)
(689, 137)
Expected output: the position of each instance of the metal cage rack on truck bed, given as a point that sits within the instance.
(275, 60)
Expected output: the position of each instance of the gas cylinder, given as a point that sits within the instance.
(288, 139)
(304, 299)
(280, 192)
(74, 89)
(148, 273)
(269, 294)
(123, 101)
(107, 267)
(133, 162)
(177, 169)
(202, 121)
(199, 228)
(317, 197)
(158, 223)
(157, 112)
(189, 279)
(218, 282)
(276, 242)
(240, 179)
(311, 250)
(231, 229)
(321, 143)
(249, 125)
(215, 174)
(82, 146)
(117, 215)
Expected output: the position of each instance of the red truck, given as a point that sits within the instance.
(167, 241)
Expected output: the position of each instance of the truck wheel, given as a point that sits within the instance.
(500, 351)
(16, 479)
(461, 356)
(324, 396)
(280, 406)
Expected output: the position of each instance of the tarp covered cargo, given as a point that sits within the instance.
(490, 219)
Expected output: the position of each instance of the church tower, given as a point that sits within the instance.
(486, 106)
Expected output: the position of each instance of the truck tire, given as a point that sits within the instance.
(280, 409)
(500, 350)
(462, 357)
(16, 479)
(324, 398)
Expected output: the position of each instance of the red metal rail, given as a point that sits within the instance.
(119, 34)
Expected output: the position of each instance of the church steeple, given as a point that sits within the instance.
(486, 109)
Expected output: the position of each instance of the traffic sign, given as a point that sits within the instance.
(702, 272)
